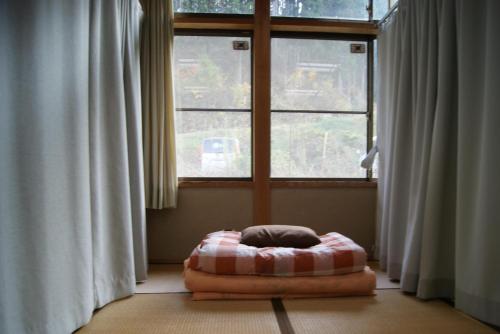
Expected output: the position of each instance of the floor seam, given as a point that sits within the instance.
(284, 323)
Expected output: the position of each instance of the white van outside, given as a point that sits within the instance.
(218, 154)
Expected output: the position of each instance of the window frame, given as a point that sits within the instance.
(368, 39)
(261, 24)
(223, 33)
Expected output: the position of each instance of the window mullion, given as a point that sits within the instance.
(262, 116)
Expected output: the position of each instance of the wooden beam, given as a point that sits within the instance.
(325, 26)
(215, 184)
(186, 21)
(323, 184)
(261, 113)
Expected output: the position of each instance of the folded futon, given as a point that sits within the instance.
(221, 267)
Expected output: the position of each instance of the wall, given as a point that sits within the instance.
(350, 211)
(172, 234)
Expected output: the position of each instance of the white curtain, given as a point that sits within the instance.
(439, 65)
(71, 178)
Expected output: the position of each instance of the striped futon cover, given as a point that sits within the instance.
(221, 253)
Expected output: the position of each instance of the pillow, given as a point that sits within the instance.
(279, 236)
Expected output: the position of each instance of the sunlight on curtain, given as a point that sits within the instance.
(160, 170)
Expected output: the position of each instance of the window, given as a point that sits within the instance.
(319, 108)
(289, 104)
(336, 9)
(214, 6)
(329, 9)
(318, 75)
(213, 106)
(380, 7)
(375, 166)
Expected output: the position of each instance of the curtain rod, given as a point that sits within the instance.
(388, 14)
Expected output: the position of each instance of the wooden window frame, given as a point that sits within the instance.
(261, 26)
(191, 182)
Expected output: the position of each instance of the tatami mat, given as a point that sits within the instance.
(176, 313)
(163, 278)
(383, 282)
(389, 312)
(162, 307)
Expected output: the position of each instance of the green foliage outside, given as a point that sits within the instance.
(343, 9)
(215, 6)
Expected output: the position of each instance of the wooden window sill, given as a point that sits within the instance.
(215, 184)
(323, 184)
(288, 184)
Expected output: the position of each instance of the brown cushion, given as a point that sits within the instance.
(279, 236)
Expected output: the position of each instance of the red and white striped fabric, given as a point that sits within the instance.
(221, 253)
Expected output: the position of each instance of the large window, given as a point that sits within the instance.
(213, 101)
(278, 91)
(274, 94)
(319, 107)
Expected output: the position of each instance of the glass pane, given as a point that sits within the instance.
(380, 7)
(335, 9)
(213, 144)
(375, 162)
(375, 105)
(210, 74)
(214, 6)
(309, 74)
(317, 145)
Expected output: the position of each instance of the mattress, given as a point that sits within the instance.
(212, 286)
(221, 253)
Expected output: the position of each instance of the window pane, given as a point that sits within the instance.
(214, 6)
(375, 106)
(210, 74)
(336, 9)
(317, 145)
(310, 74)
(213, 144)
(380, 7)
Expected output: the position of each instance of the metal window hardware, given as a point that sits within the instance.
(358, 48)
(240, 45)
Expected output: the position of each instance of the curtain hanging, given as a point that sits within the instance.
(158, 104)
(438, 226)
(71, 179)
(117, 183)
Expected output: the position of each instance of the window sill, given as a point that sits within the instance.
(215, 184)
(324, 184)
(281, 184)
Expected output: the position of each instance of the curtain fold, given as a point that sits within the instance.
(71, 178)
(160, 172)
(478, 181)
(118, 213)
(438, 104)
(131, 20)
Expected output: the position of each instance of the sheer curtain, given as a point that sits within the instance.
(157, 38)
(438, 225)
(71, 178)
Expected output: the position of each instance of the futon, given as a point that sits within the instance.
(221, 267)
(222, 253)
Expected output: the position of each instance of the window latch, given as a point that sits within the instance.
(240, 45)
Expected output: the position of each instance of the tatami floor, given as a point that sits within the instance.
(163, 305)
